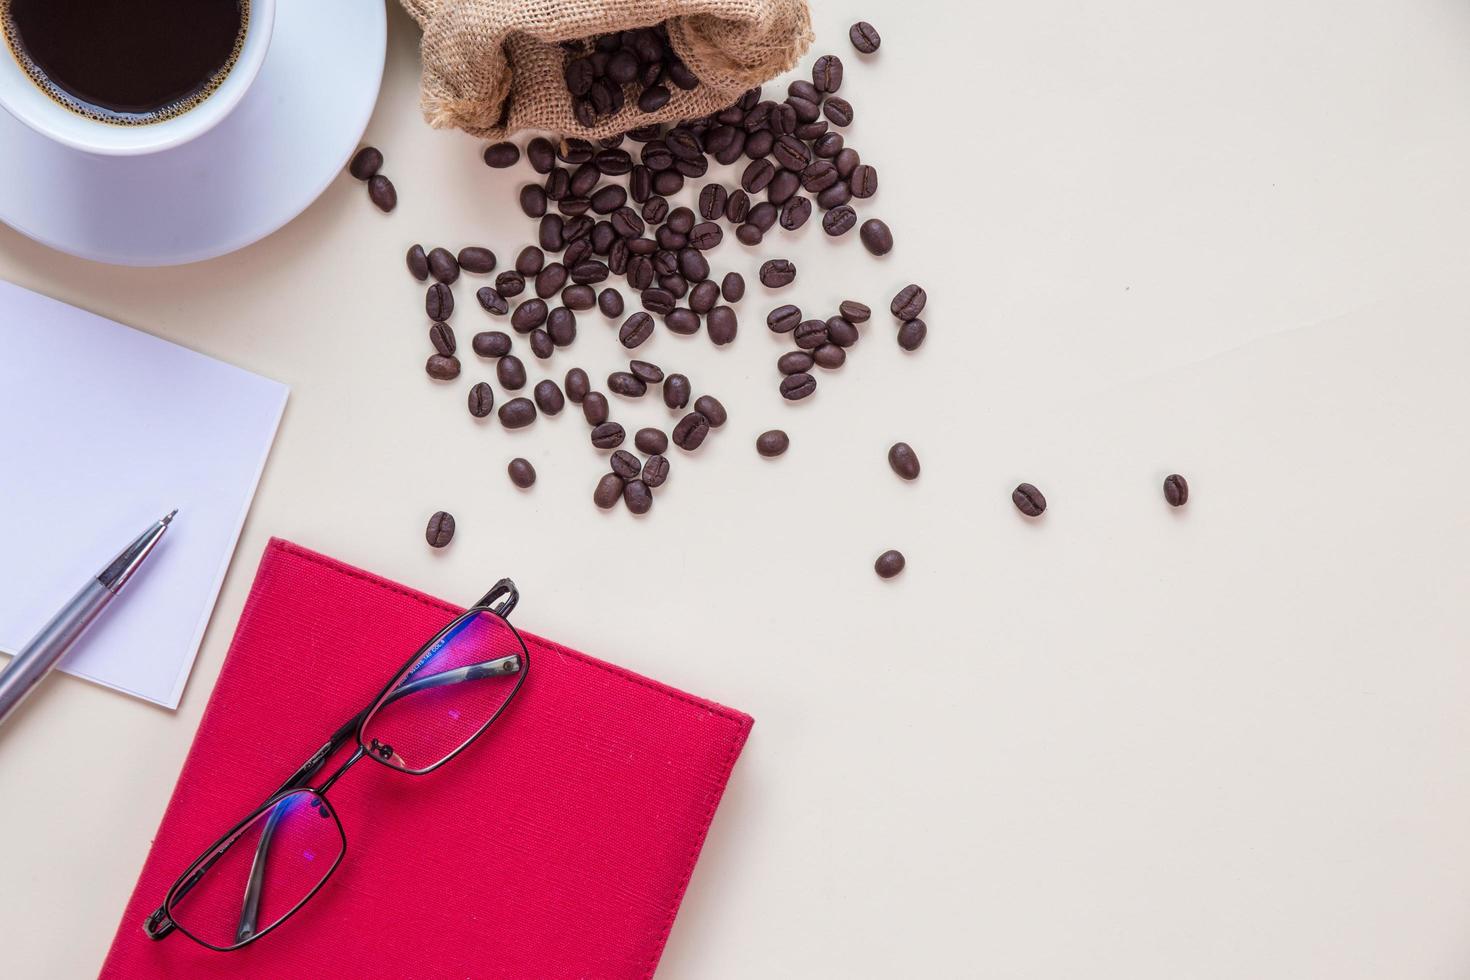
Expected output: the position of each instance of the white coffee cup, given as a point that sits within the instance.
(25, 100)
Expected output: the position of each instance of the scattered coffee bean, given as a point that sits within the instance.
(704, 296)
(491, 343)
(795, 212)
(517, 413)
(853, 311)
(548, 397)
(776, 273)
(608, 435)
(521, 472)
(482, 400)
(610, 302)
(676, 391)
(794, 362)
(839, 221)
(682, 320)
(709, 406)
(810, 334)
(838, 110)
(712, 201)
(864, 37)
(577, 384)
(637, 496)
(829, 356)
(442, 337)
(646, 372)
(1028, 500)
(609, 491)
(784, 319)
(541, 343)
(904, 460)
(772, 443)
(651, 441)
(827, 74)
(510, 283)
(418, 263)
(732, 287)
(529, 315)
(655, 471)
(561, 325)
(840, 332)
(1176, 490)
(382, 193)
(627, 384)
(476, 260)
(439, 302)
(594, 408)
(889, 564)
(722, 325)
(440, 530)
(511, 373)
(690, 432)
(863, 183)
(635, 330)
(797, 386)
(876, 237)
(909, 302)
(365, 163)
(579, 297)
(443, 266)
(625, 464)
(533, 201)
(502, 155)
(442, 368)
(911, 334)
(491, 301)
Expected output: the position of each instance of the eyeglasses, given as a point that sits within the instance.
(271, 863)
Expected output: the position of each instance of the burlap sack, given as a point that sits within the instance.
(492, 67)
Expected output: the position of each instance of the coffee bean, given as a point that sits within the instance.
(690, 432)
(541, 343)
(797, 386)
(876, 237)
(705, 236)
(776, 273)
(828, 146)
(840, 332)
(491, 301)
(783, 319)
(550, 234)
(635, 330)
(911, 335)
(530, 260)
(594, 408)
(561, 324)
(442, 265)
(579, 296)
(712, 201)
(442, 337)
(757, 176)
(676, 391)
(889, 564)
(517, 413)
(838, 110)
(502, 155)
(827, 73)
(382, 193)
(646, 372)
(864, 181)
(846, 161)
(625, 464)
(608, 435)
(748, 234)
(709, 406)
(795, 213)
(418, 263)
(1176, 490)
(656, 471)
(482, 400)
(658, 300)
(783, 187)
(577, 385)
(732, 287)
(541, 154)
(439, 302)
(365, 163)
(794, 362)
(609, 198)
(819, 175)
(854, 312)
(491, 343)
(772, 443)
(637, 496)
(839, 220)
(627, 384)
(442, 368)
(704, 296)
(440, 530)
(909, 302)
(737, 207)
(510, 283)
(521, 472)
(511, 373)
(609, 491)
(810, 334)
(610, 302)
(722, 325)
(834, 197)
(790, 153)
(613, 162)
(476, 260)
(549, 397)
(529, 315)
(651, 441)
(1028, 500)
(904, 460)
(829, 356)
(682, 321)
(533, 201)
(864, 37)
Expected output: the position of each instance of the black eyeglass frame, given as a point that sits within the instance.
(160, 923)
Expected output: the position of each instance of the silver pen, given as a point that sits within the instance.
(37, 657)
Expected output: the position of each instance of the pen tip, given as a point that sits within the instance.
(170, 518)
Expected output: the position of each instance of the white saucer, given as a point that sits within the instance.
(262, 166)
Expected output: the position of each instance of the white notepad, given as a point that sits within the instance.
(103, 430)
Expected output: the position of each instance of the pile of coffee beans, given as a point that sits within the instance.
(365, 165)
(602, 73)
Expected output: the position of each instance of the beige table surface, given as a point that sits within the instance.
(1224, 239)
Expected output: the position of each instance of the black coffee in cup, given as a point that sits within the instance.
(130, 62)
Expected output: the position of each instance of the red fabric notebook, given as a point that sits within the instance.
(557, 845)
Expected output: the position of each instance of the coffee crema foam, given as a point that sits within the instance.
(100, 114)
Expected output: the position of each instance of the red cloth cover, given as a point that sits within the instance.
(558, 845)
